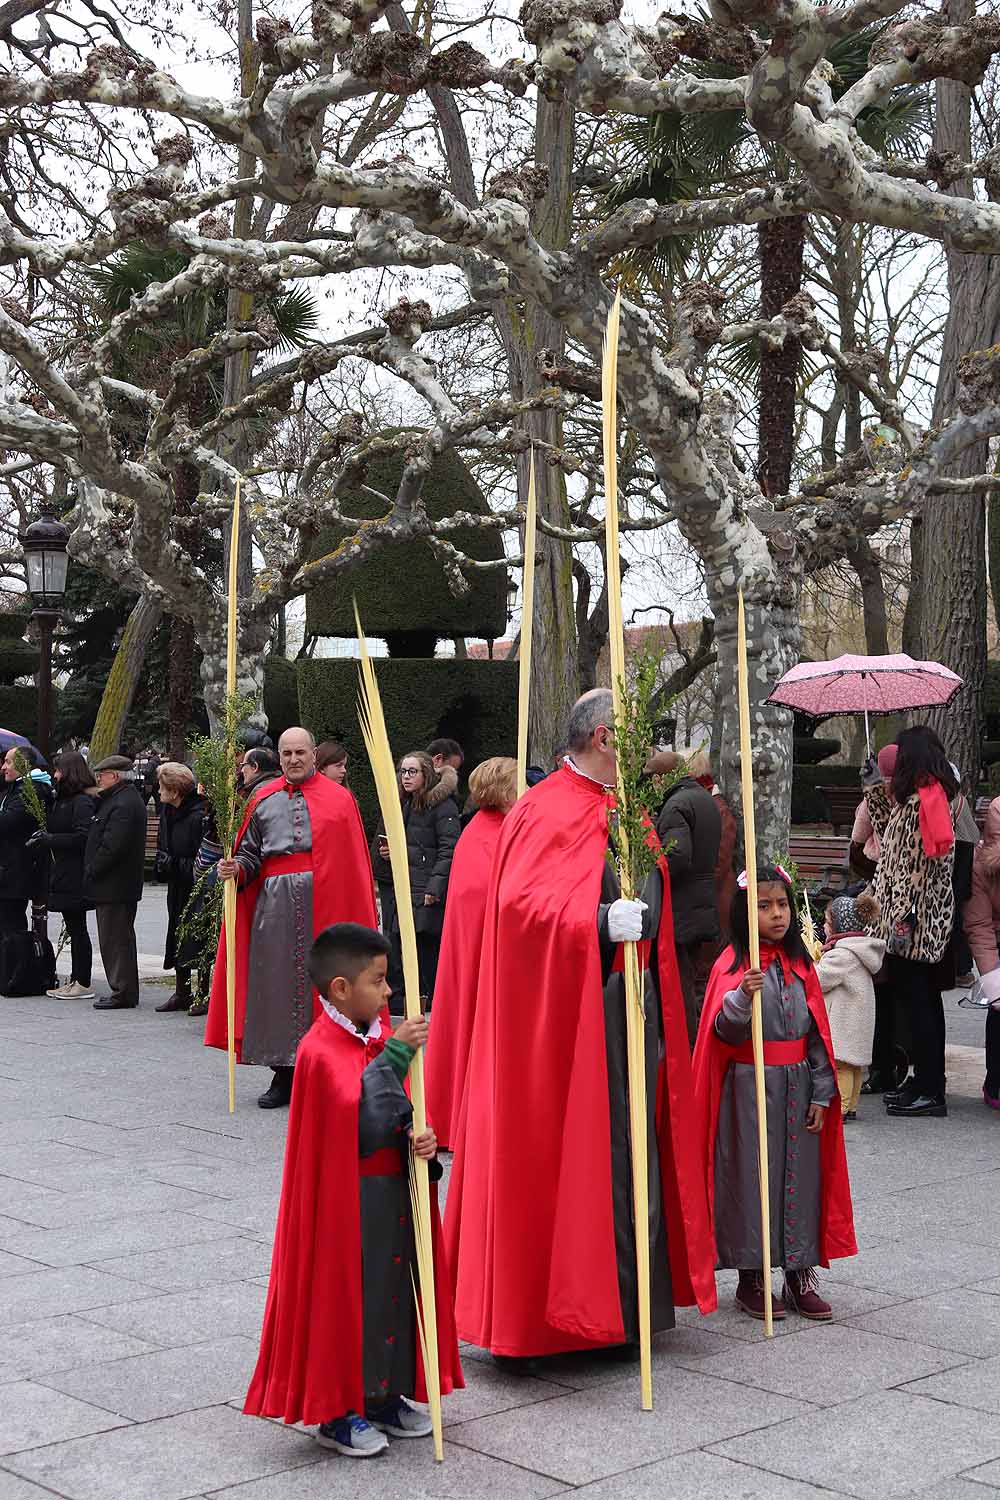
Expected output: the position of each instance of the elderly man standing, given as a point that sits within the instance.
(301, 863)
(113, 868)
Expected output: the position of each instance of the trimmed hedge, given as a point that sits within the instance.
(809, 751)
(19, 710)
(403, 590)
(807, 802)
(281, 695)
(474, 702)
(18, 657)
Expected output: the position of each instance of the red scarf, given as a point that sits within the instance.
(936, 827)
(773, 953)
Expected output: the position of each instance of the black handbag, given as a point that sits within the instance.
(27, 964)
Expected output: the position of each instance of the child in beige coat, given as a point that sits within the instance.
(850, 960)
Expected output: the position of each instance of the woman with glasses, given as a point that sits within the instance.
(432, 830)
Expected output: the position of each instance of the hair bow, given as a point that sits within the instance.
(741, 879)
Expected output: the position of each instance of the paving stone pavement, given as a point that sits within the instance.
(135, 1226)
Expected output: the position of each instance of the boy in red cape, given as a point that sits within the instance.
(812, 1220)
(539, 1214)
(493, 789)
(339, 1345)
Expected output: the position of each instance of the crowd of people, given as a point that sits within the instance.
(519, 924)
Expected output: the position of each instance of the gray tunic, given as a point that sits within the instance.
(387, 1250)
(279, 1008)
(793, 1153)
(661, 1298)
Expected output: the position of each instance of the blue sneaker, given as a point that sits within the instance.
(399, 1419)
(352, 1436)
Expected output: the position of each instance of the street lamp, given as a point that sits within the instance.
(45, 560)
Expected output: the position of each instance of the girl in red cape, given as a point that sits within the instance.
(493, 788)
(339, 1345)
(812, 1219)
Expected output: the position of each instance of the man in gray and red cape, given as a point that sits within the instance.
(301, 863)
(539, 1214)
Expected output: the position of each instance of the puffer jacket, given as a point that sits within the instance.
(431, 835)
(69, 824)
(908, 880)
(981, 913)
(24, 871)
(690, 830)
(846, 971)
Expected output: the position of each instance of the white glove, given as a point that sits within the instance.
(625, 921)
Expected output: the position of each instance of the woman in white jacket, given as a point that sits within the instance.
(846, 969)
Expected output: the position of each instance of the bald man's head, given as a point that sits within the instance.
(589, 713)
(297, 753)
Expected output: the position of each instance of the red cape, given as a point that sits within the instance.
(310, 1366)
(458, 972)
(343, 891)
(529, 1218)
(711, 1059)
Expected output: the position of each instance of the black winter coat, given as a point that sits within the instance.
(115, 856)
(692, 823)
(181, 830)
(431, 835)
(69, 823)
(23, 871)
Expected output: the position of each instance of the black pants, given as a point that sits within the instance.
(918, 992)
(428, 949)
(116, 936)
(13, 916)
(993, 1053)
(80, 947)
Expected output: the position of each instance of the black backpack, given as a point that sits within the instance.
(27, 964)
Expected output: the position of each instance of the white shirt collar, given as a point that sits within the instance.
(371, 1035)
(571, 765)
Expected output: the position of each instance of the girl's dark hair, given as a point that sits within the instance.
(330, 753)
(922, 758)
(75, 776)
(739, 921)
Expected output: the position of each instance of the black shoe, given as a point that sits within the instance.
(904, 1095)
(876, 1083)
(920, 1104)
(176, 1001)
(115, 1002)
(514, 1364)
(278, 1096)
(617, 1354)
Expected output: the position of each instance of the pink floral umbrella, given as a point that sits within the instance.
(865, 684)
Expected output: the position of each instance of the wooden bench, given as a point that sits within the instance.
(815, 854)
(841, 804)
(152, 834)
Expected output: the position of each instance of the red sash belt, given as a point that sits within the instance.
(288, 864)
(776, 1054)
(384, 1163)
(618, 967)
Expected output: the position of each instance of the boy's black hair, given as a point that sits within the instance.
(342, 951)
(739, 922)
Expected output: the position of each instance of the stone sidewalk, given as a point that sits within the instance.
(135, 1226)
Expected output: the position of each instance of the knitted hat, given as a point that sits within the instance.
(853, 913)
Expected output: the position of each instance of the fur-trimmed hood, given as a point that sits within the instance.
(445, 787)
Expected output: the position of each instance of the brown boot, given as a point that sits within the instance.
(181, 998)
(750, 1297)
(802, 1291)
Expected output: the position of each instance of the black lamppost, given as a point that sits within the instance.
(45, 560)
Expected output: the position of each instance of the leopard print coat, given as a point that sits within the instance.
(906, 874)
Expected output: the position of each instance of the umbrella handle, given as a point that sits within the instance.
(868, 738)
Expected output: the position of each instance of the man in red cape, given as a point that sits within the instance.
(345, 1205)
(493, 788)
(301, 863)
(539, 1212)
(712, 1061)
